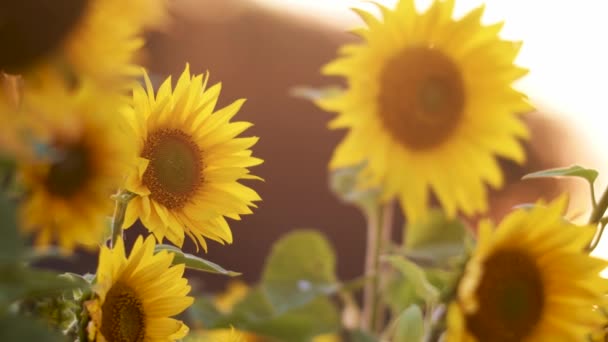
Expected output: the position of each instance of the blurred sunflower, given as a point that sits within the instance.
(433, 95)
(188, 162)
(137, 295)
(73, 37)
(78, 155)
(530, 280)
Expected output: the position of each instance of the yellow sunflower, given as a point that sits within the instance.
(429, 106)
(97, 38)
(137, 295)
(188, 162)
(75, 165)
(529, 280)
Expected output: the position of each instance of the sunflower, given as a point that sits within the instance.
(188, 162)
(136, 296)
(76, 165)
(97, 38)
(529, 280)
(434, 96)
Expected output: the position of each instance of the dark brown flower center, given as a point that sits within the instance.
(123, 316)
(174, 172)
(422, 97)
(71, 169)
(32, 29)
(510, 297)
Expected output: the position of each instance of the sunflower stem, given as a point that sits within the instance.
(596, 217)
(386, 234)
(371, 267)
(379, 232)
(121, 200)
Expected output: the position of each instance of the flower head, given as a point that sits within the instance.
(434, 96)
(529, 280)
(189, 161)
(76, 162)
(97, 39)
(137, 295)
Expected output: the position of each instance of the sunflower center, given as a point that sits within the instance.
(69, 171)
(510, 297)
(174, 172)
(421, 98)
(32, 29)
(123, 317)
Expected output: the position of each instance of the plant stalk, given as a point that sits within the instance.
(121, 200)
(595, 218)
(386, 234)
(371, 268)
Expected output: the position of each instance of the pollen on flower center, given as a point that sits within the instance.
(510, 298)
(123, 317)
(174, 172)
(33, 29)
(69, 171)
(421, 98)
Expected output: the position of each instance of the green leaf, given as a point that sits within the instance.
(14, 328)
(300, 267)
(319, 316)
(346, 184)
(572, 171)
(416, 276)
(203, 310)
(18, 282)
(410, 325)
(290, 303)
(11, 244)
(399, 293)
(436, 238)
(194, 262)
(313, 94)
(256, 314)
(361, 336)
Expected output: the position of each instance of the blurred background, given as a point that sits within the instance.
(262, 49)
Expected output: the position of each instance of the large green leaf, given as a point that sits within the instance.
(319, 316)
(290, 303)
(13, 328)
(571, 171)
(437, 237)
(194, 262)
(410, 325)
(301, 267)
(256, 314)
(416, 276)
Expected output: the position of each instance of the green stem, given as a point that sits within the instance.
(596, 217)
(386, 234)
(121, 200)
(371, 269)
